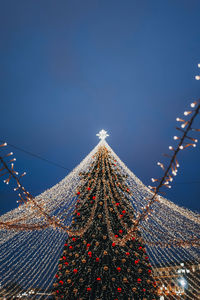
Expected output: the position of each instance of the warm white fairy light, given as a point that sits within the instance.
(186, 113)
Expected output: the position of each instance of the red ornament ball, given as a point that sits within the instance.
(127, 253)
(93, 197)
(61, 282)
(139, 280)
(118, 269)
(97, 259)
(137, 261)
(121, 231)
(119, 290)
(113, 244)
(78, 193)
(89, 289)
(64, 257)
(98, 279)
(89, 188)
(75, 271)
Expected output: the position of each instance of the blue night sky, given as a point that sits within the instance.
(71, 68)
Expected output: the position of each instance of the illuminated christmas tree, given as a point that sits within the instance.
(95, 263)
(101, 223)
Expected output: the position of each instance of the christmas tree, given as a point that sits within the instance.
(93, 264)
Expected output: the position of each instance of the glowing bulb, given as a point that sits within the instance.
(193, 104)
(196, 141)
(182, 282)
(177, 119)
(194, 145)
(186, 113)
(5, 144)
(183, 125)
(175, 137)
(198, 65)
(181, 147)
(197, 77)
(171, 148)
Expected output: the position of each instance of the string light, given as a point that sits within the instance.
(197, 77)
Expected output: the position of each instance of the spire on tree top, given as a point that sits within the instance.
(102, 134)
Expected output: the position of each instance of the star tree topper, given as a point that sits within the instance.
(102, 134)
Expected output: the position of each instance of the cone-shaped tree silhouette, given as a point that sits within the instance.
(93, 265)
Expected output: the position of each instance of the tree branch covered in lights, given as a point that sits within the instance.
(24, 195)
(171, 170)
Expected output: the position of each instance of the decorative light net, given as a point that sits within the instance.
(29, 258)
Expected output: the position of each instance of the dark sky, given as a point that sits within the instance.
(71, 68)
